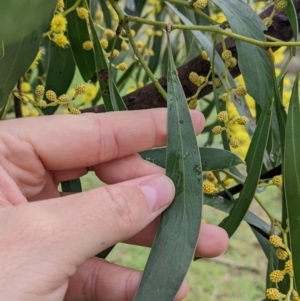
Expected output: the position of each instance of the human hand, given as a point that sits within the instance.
(48, 238)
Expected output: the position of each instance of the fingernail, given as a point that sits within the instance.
(198, 120)
(159, 191)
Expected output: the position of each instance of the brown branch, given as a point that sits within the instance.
(148, 97)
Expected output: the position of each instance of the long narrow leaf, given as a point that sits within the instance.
(106, 13)
(60, 72)
(20, 18)
(178, 230)
(111, 96)
(225, 205)
(16, 61)
(71, 186)
(292, 15)
(291, 177)
(239, 102)
(134, 7)
(254, 161)
(254, 62)
(1, 49)
(78, 33)
(211, 158)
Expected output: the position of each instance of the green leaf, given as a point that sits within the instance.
(16, 61)
(239, 102)
(291, 176)
(206, 112)
(111, 96)
(134, 7)
(225, 205)
(115, 97)
(1, 49)
(106, 13)
(191, 45)
(254, 160)
(178, 231)
(270, 254)
(20, 18)
(71, 186)
(280, 112)
(292, 16)
(124, 78)
(254, 62)
(78, 33)
(266, 247)
(105, 253)
(60, 72)
(281, 119)
(156, 47)
(211, 158)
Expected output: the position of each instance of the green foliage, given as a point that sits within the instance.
(254, 61)
(78, 33)
(21, 18)
(258, 133)
(291, 176)
(162, 279)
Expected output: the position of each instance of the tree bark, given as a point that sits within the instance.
(148, 97)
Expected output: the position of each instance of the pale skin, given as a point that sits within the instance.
(49, 239)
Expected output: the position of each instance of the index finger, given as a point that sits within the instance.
(75, 141)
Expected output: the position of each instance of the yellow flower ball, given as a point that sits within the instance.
(104, 43)
(82, 13)
(275, 241)
(288, 267)
(124, 46)
(61, 40)
(281, 254)
(115, 53)
(58, 24)
(79, 89)
(226, 54)
(276, 276)
(99, 15)
(25, 87)
(223, 116)
(200, 4)
(109, 33)
(277, 181)
(217, 130)
(193, 104)
(39, 91)
(139, 44)
(87, 45)
(122, 66)
(51, 95)
(273, 293)
(209, 188)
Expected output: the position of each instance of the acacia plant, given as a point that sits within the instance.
(217, 56)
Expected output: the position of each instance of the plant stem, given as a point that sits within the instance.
(143, 63)
(234, 35)
(260, 203)
(145, 21)
(124, 22)
(72, 8)
(213, 29)
(231, 175)
(197, 11)
(237, 179)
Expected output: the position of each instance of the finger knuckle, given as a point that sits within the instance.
(122, 201)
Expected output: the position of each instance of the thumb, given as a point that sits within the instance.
(78, 226)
